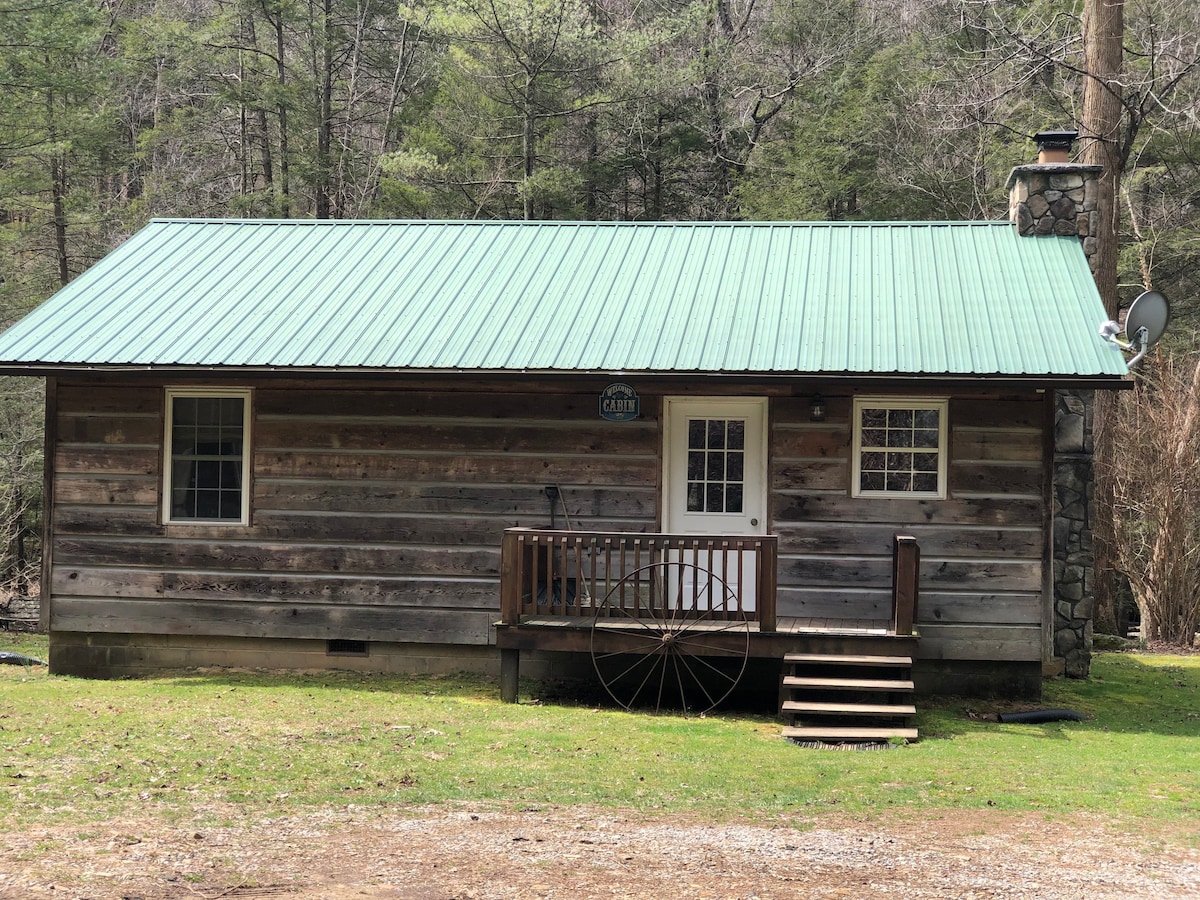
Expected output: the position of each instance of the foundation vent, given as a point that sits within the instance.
(339, 647)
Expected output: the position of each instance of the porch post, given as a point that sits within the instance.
(511, 546)
(512, 551)
(510, 674)
(906, 569)
(768, 561)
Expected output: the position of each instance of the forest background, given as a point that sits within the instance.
(113, 112)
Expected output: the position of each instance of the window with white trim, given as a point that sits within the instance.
(900, 447)
(207, 456)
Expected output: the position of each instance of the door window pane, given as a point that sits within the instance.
(716, 475)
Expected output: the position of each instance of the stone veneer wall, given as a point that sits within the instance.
(1056, 198)
(1074, 560)
(1060, 198)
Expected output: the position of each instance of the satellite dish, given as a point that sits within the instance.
(1144, 325)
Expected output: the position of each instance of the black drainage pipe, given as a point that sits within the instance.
(1038, 716)
(18, 659)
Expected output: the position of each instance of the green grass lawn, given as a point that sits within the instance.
(187, 746)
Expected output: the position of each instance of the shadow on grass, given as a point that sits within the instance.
(465, 685)
(1126, 694)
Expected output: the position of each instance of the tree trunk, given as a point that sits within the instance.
(243, 151)
(1103, 32)
(263, 135)
(528, 149)
(58, 194)
(591, 201)
(285, 200)
(323, 79)
(58, 168)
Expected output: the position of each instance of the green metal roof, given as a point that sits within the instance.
(944, 299)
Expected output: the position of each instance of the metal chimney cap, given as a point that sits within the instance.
(1055, 140)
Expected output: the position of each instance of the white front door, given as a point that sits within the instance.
(715, 473)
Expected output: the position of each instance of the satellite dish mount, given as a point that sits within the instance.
(1144, 325)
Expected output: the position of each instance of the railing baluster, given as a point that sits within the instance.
(741, 578)
(637, 564)
(564, 544)
(592, 577)
(607, 569)
(621, 577)
(722, 604)
(549, 576)
(539, 577)
(582, 586)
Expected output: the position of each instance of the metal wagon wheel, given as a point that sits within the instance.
(653, 647)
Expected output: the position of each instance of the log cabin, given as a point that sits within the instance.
(432, 446)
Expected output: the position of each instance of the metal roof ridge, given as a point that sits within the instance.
(575, 223)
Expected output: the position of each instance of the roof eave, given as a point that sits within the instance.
(909, 380)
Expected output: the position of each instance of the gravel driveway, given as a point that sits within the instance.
(409, 854)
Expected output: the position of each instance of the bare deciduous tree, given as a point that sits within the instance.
(1156, 508)
(21, 402)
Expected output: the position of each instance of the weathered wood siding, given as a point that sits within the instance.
(982, 548)
(376, 515)
(378, 509)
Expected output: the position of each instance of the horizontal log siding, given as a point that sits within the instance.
(981, 547)
(376, 513)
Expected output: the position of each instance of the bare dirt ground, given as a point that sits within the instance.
(459, 854)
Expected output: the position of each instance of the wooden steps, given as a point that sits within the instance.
(836, 699)
(847, 684)
(853, 709)
(903, 662)
(836, 735)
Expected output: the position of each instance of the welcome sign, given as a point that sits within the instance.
(620, 403)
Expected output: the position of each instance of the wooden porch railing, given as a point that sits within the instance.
(574, 573)
(906, 573)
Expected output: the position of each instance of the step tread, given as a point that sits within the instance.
(848, 684)
(850, 709)
(840, 660)
(849, 734)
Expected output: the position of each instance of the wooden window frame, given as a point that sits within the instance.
(246, 395)
(942, 405)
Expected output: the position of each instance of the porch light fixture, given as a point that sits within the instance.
(816, 409)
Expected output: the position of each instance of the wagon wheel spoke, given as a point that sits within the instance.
(699, 648)
(697, 683)
(634, 660)
(659, 662)
(662, 649)
(727, 625)
(729, 631)
(716, 670)
(650, 623)
(652, 641)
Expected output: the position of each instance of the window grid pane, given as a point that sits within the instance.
(899, 449)
(207, 444)
(716, 459)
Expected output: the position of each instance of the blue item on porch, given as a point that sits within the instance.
(556, 592)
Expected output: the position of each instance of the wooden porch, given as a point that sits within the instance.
(672, 619)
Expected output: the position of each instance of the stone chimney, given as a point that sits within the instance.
(1055, 195)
